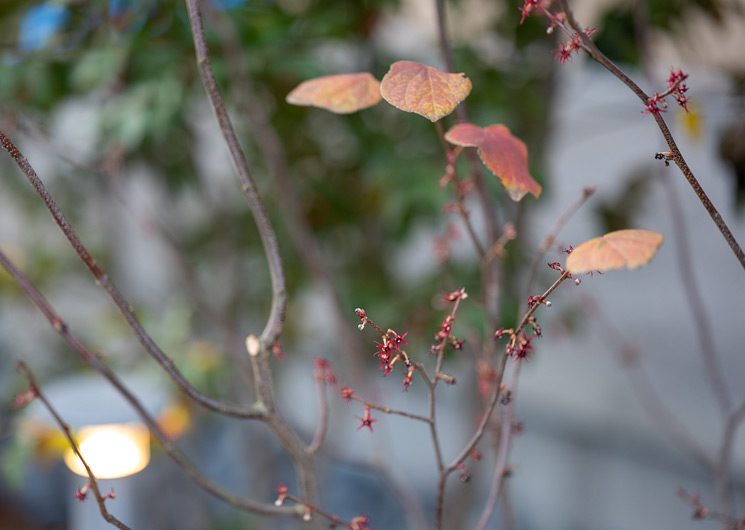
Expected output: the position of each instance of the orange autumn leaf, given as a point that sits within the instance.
(615, 250)
(342, 94)
(504, 154)
(414, 87)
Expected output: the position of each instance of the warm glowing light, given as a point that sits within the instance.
(111, 451)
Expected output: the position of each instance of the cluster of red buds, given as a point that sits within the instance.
(360, 522)
(534, 6)
(281, 494)
(389, 349)
(520, 345)
(24, 398)
(324, 371)
(538, 299)
(444, 336)
(465, 476)
(666, 156)
(651, 106)
(701, 511)
(565, 52)
(346, 393)
(82, 493)
(676, 84)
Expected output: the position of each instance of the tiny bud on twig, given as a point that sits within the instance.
(253, 345)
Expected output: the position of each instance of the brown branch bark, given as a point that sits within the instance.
(96, 364)
(591, 48)
(276, 318)
(301, 455)
(125, 308)
(93, 483)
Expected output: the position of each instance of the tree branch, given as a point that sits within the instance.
(276, 318)
(92, 482)
(95, 363)
(125, 308)
(591, 48)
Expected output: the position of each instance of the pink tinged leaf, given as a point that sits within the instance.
(414, 87)
(615, 250)
(342, 94)
(504, 154)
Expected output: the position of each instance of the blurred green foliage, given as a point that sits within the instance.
(365, 180)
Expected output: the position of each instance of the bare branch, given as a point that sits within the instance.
(323, 422)
(591, 48)
(125, 308)
(552, 233)
(276, 319)
(95, 363)
(700, 320)
(93, 483)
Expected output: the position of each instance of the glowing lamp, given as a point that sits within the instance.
(112, 450)
(111, 438)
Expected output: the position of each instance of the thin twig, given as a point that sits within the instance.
(700, 318)
(276, 319)
(505, 436)
(461, 113)
(272, 149)
(388, 410)
(701, 511)
(722, 470)
(470, 446)
(121, 303)
(553, 232)
(190, 283)
(591, 48)
(541, 298)
(500, 466)
(323, 422)
(491, 270)
(644, 391)
(452, 176)
(93, 483)
(309, 508)
(93, 361)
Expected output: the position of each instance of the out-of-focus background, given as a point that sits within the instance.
(104, 99)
